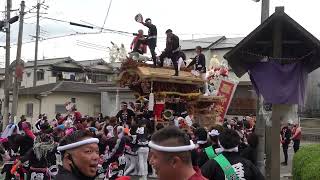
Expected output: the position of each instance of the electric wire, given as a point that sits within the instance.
(105, 19)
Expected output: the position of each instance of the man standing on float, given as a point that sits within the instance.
(151, 40)
(171, 51)
(199, 63)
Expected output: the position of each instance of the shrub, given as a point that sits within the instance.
(306, 163)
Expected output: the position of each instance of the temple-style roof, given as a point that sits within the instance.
(147, 72)
(297, 44)
(165, 75)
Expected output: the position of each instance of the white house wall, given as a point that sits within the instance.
(85, 103)
(22, 107)
(28, 81)
(313, 92)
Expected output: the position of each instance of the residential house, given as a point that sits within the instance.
(67, 69)
(50, 99)
(244, 100)
(89, 84)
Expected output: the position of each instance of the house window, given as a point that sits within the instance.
(28, 74)
(29, 108)
(73, 100)
(60, 108)
(40, 75)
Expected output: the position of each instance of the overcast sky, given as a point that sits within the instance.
(187, 18)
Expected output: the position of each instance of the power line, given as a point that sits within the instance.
(105, 19)
(54, 19)
(62, 36)
(90, 47)
(92, 44)
(91, 27)
(30, 17)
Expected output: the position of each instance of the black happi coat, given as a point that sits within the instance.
(246, 169)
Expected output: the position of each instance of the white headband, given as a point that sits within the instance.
(201, 142)
(77, 144)
(234, 149)
(172, 149)
(214, 132)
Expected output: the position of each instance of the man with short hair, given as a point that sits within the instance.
(125, 115)
(212, 151)
(80, 156)
(229, 164)
(171, 155)
(285, 141)
(171, 51)
(199, 63)
(151, 40)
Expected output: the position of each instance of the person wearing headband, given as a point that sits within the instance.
(229, 164)
(170, 155)
(114, 158)
(41, 158)
(80, 156)
(125, 116)
(210, 151)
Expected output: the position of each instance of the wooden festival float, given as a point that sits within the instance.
(169, 95)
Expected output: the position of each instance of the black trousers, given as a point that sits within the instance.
(296, 145)
(152, 43)
(285, 152)
(173, 57)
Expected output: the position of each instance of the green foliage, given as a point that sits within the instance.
(306, 163)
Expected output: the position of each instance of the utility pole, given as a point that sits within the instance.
(7, 64)
(278, 110)
(261, 119)
(36, 46)
(17, 80)
(265, 6)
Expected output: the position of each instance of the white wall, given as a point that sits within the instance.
(108, 101)
(28, 81)
(22, 107)
(85, 102)
(312, 101)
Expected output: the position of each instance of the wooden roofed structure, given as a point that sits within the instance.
(144, 79)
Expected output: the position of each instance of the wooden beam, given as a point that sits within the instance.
(277, 110)
(290, 42)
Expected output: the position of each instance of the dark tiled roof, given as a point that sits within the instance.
(203, 42)
(91, 62)
(298, 43)
(90, 65)
(38, 89)
(62, 86)
(47, 62)
(227, 43)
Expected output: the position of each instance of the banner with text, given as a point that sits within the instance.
(226, 90)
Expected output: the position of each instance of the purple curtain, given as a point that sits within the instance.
(279, 83)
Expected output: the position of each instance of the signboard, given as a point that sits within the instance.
(226, 90)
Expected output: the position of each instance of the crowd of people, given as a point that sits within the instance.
(129, 144)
